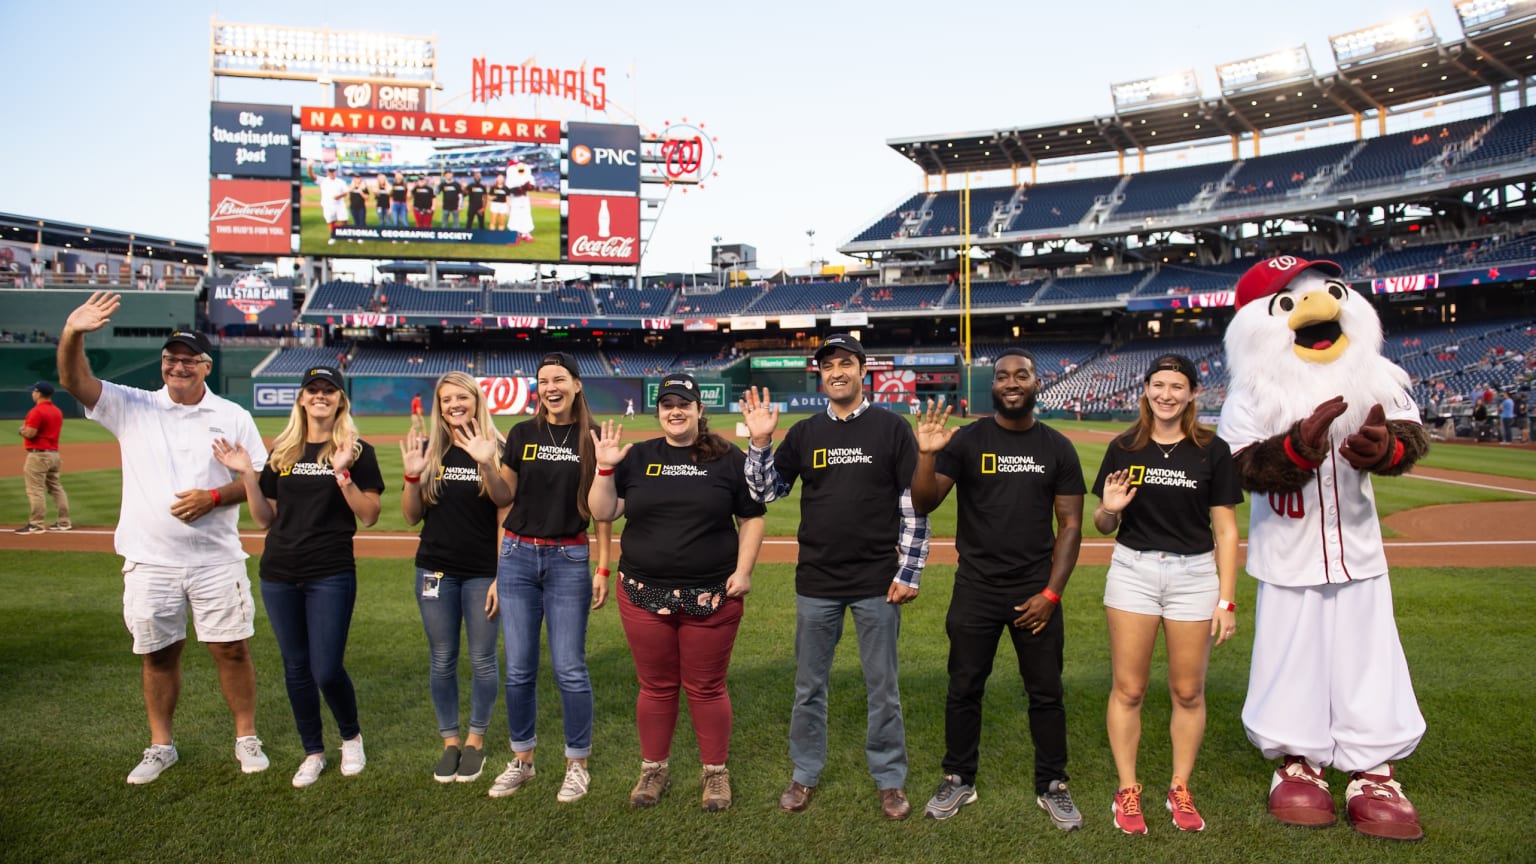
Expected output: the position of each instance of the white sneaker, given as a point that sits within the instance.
(577, 781)
(248, 751)
(156, 759)
(352, 757)
(309, 770)
(517, 774)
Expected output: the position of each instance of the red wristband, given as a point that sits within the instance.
(604, 472)
(410, 479)
(343, 474)
(1051, 596)
(217, 498)
(1303, 463)
(1226, 605)
(602, 571)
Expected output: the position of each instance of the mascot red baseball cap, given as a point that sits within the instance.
(1271, 276)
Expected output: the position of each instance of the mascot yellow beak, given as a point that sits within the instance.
(1315, 321)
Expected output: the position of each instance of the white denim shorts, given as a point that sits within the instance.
(156, 600)
(1176, 587)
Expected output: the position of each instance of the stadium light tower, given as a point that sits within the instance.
(810, 234)
(718, 263)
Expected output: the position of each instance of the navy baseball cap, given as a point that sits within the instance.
(1174, 363)
(681, 385)
(329, 374)
(190, 338)
(43, 387)
(843, 341)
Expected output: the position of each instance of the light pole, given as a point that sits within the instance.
(810, 234)
(719, 282)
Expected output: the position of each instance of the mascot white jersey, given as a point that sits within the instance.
(1313, 410)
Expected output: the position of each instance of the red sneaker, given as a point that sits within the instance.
(1127, 810)
(1377, 807)
(1299, 795)
(1182, 806)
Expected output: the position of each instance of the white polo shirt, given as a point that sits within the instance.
(168, 448)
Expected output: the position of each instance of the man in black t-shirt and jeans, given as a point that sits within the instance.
(450, 190)
(862, 549)
(1013, 473)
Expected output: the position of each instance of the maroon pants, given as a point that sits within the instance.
(423, 218)
(673, 651)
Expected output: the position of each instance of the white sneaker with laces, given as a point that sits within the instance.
(309, 770)
(157, 758)
(517, 775)
(353, 759)
(577, 782)
(248, 751)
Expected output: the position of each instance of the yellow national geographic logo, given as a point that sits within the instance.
(819, 458)
(530, 452)
(989, 463)
(653, 469)
(1137, 473)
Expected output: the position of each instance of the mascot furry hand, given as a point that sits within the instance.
(1313, 410)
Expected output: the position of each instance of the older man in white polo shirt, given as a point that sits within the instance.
(177, 531)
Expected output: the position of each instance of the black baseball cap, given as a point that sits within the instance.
(329, 374)
(843, 341)
(562, 359)
(681, 385)
(1174, 363)
(43, 387)
(190, 338)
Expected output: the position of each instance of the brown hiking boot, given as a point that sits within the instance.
(717, 788)
(653, 783)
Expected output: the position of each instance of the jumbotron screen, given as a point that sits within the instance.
(398, 197)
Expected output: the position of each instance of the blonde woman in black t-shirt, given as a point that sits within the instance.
(1168, 490)
(452, 483)
(320, 481)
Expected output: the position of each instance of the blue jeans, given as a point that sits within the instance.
(550, 584)
(818, 628)
(459, 599)
(310, 620)
(397, 214)
(450, 218)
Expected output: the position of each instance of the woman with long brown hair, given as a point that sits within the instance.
(320, 481)
(1168, 490)
(691, 537)
(452, 483)
(542, 576)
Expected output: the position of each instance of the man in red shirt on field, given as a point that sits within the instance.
(40, 436)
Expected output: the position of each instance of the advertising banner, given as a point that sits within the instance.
(604, 158)
(700, 325)
(250, 299)
(780, 363)
(504, 396)
(850, 319)
(894, 386)
(925, 360)
(365, 121)
(749, 322)
(274, 398)
(248, 140)
(250, 216)
(1406, 284)
(498, 202)
(787, 322)
(381, 97)
(603, 229)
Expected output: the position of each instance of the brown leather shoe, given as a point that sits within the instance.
(894, 804)
(796, 797)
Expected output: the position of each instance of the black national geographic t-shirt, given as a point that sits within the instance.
(1007, 487)
(851, 475)
(547, 461)
(458, 534)
(678, 526)
(1174, 495)
(312, 535)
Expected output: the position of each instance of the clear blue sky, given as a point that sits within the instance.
(107, 110)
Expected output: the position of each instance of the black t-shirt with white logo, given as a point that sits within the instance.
(499, 194)
(421, 197)
(851, 474)
(547, 460)
(476, 192)
(397, 193)
(459, 533)
(311, 537)
(1008, 484)
(450, 191)
(678, 527)
(1174, 496)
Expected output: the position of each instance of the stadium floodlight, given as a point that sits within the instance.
(1382, 39)
(1177, 87)
(306, 54)
(1288, 65)
(1480, 15)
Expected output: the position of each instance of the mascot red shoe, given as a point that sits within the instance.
(1312, 411)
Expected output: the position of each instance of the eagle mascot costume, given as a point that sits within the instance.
(1313, 410)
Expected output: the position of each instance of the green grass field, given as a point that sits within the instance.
(75, 725)
(313, 234)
